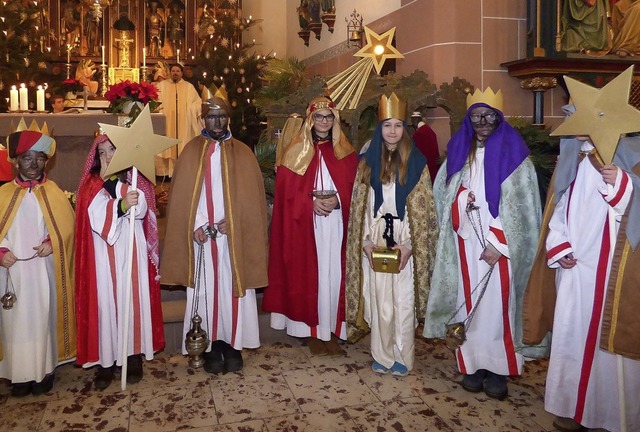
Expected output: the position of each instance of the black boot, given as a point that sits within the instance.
(21, 389)
(232, 359)
(474, 383)
(213, 361)
(495, 386)
(43, 386)
(134, 369)
(103, 378)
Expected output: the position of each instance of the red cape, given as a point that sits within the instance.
(86, 287)
(426, 141)
(293, 261)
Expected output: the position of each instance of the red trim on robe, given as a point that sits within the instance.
(557, 249)
(623, 187)
(594, 326)
(499, 235)
(464, 267)
(505, 288)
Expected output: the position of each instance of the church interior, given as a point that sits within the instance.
(273, 57)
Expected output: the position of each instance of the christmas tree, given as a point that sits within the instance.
(224, 58)
(23, 34)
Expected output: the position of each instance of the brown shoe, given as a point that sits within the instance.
(316, 346)
(333, 347)
(566, 424)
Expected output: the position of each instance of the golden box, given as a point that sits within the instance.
(386, 260)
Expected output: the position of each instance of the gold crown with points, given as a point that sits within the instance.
(392, 107)
(488, 96)
(214, 91)
(22, 125)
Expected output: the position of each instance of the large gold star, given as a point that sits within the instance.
(136, 146)
(603, 114)
(379, 47)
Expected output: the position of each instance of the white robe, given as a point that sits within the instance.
(224, 316)
(328, 232)
(489, 342)
(582, 380)
(389, 305)
(28, 330)
(111, 243)
(181, 106)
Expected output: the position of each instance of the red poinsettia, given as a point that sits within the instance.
(72, 85)
(124, 95)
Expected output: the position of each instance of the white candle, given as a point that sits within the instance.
(178, 56)
(68, 53)
(13, 99)
(24, 98)
(40, 99)
(144, 57)
(102, 54)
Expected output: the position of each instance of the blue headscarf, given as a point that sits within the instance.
(415, 165)
(505, 150)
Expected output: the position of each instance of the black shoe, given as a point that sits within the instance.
(134, 369)
(21, 389)
(495, 386)
(232, 359)
(43, 386)
(213, 361)
(474, 383)
(103, 378)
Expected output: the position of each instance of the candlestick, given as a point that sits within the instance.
(103, 80)
(13, 99)
(40, 99)
(102, 54)
(24, 98)
(178, 56)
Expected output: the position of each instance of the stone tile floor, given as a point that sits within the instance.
(283, 388)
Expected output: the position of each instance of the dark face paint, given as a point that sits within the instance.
(216, 122)
(31, 164)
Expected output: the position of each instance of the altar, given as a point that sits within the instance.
(74, 136)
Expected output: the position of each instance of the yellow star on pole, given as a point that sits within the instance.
(379, 47)
(603, 114)
(136, 146)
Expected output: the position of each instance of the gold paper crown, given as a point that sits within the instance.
(487, 96)
(22, 125)
(214, 91)
(392, 107)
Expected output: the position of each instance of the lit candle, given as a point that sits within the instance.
(144, 57)
(24, 98)
(68, 53)
(13, 98)
(178, 55)
(102, 54)
(40, 99)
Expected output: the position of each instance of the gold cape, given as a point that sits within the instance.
(59, 219)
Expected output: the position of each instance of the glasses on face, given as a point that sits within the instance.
(489, 117)
(321, 118)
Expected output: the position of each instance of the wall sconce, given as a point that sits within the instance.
(354, 30)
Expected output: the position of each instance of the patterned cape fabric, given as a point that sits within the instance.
(520, 213)
(423, 225)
